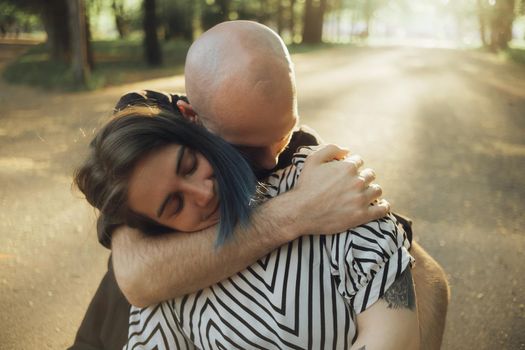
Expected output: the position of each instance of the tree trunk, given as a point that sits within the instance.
(313, 21)
(89, 38)
(354, 19)
(77, 21)
(224, 6)
(55, 20)
(152, 49)
(188, 31)
(262, 14)
(368, 12)
(501, 24)
(280, 17)
(308, 30)
(482, 20)
(292, 20)
(120, 22)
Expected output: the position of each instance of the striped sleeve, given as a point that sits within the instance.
(366, 260)
(155, 327)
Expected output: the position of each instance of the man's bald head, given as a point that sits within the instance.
(240, 82)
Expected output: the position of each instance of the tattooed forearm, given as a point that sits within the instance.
(401, 294)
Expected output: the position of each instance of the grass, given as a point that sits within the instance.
(120, 62)
(516, 54)
(116, 62)
(305, 48)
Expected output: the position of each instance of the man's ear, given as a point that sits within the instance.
(187, 111)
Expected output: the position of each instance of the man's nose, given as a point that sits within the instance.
(202, 192)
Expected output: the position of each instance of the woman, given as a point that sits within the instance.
(151, 170)
(138, 131)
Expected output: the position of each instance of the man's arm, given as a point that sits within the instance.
(329, 197)
(392, 322)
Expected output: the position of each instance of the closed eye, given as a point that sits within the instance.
(178, 201)
(194, 163)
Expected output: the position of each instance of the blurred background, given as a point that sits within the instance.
(431, 93)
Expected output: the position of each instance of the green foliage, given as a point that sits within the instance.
(249, 10)
(13, 16)
(35, 68)
(516, 54)
(305, 48)
(117, 62)
(152, 49)
(27, 6)
(214, 12)
(520, 7)
(176, 18)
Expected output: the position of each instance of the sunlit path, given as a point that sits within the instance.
(445, 131)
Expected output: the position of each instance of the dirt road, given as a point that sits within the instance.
(444, 130)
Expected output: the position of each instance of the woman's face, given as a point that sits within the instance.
(175, 186)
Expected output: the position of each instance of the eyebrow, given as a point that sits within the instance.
(169, 197)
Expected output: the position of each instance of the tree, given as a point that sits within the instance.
(217, 12)
(501, 21)
(55, 19)
(177, 17)
(292, 22)
(495, 22)
(152, 49)
(12, 19)
(313, 21)
(285, 14)
(482, 22)
(224, 6)
(280, 17)
(79, 38)
(521, 9)
(58, 35)
(520, 6)
(121, 22)
(369, 9)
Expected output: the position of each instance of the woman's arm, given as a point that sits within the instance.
(391, 323)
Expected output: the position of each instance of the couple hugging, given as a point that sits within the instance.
(231, 228)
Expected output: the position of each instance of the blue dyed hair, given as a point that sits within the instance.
(135, 132)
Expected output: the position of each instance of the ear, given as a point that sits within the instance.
(187, 111)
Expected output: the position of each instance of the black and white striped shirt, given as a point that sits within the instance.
(304, 295)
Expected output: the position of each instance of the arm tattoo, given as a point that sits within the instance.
(401, 293)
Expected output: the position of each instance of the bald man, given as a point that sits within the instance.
(241, 84)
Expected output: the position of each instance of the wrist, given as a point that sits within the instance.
(283, 213)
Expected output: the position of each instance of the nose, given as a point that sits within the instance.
(202, 192)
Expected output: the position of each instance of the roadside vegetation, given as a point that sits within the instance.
(516, 54)
(82, 52)
(116, 62)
